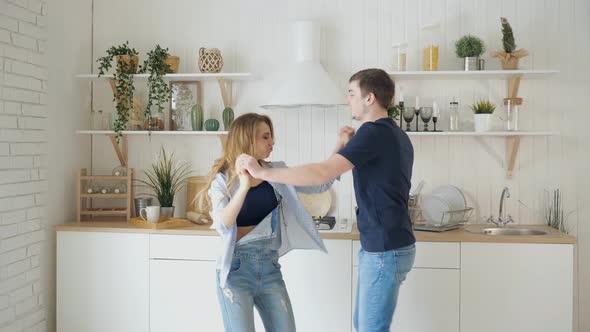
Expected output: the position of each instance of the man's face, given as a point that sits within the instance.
(358, 104)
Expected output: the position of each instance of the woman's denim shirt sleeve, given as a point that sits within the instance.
(218, 194)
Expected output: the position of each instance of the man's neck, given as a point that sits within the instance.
(374, 115)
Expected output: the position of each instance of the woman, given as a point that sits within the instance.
(258, 222)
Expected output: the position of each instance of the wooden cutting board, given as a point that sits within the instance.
(163, 223)
(193, 186)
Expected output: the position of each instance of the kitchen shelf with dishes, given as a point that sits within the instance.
(512, 135)
(104, 188)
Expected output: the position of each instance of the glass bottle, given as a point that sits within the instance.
(454, 116)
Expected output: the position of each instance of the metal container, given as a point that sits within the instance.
(167, 211)
(140, 203)
(471, 63)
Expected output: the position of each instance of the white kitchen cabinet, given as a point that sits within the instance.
(429, 297)
(102, 282)
(319, 286)
(516, 287)
(183, 296)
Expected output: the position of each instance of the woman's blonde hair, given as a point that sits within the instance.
(240, 139)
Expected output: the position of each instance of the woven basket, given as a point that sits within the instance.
(210, 60)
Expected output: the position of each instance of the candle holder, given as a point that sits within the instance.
(417, 113)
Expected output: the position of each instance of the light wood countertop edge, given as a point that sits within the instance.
(457, 235)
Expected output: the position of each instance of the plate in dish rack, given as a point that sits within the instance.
(453, 195)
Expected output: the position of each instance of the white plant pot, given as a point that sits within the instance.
(482, 122)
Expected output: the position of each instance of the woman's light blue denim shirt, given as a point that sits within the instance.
(298, 230)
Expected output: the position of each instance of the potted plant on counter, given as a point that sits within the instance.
(165, 180)
(482, 114)
(469, 48)
(122, 85)
(509, 55)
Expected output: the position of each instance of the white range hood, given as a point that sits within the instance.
(305, 82)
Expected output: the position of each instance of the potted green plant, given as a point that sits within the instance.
(122, 85)
(393, 111)
(158, 91)
(482, 114)
(165, 180)
(469, 48)
(509, 56)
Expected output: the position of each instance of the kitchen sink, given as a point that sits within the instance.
(510, 231)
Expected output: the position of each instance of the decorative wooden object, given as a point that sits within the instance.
(86, 211)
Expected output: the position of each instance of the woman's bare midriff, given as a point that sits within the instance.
(242, 231)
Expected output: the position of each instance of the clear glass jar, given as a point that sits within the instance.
(400, 52)
(430, 47)
(454, 116)
(512, 109)
(155, 121)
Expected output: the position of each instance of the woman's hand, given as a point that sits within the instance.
(246, 180)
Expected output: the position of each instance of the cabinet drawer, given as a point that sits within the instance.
(190, 247)
(443, 255)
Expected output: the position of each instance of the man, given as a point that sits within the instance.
(381, 157)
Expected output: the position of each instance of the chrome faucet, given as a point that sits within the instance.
(502, 219)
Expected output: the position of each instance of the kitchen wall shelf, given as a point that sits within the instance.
(178, 77)
(85, 209)
(512, 141)
(513, 77)
(153, 132)
(471, 75)
(483, 134)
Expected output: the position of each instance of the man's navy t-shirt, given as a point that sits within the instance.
(383, 156)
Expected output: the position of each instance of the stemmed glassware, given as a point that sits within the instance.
(408, 115)
(426, 115)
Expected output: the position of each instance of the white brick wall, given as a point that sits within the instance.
(23, 143)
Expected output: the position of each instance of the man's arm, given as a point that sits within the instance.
(304, 175)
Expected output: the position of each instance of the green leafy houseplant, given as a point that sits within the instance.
(469, 46)
(158, 90)
(483, 107)
(165, 180)
(126, 59)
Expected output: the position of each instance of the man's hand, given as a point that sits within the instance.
(345, 134)
(250, 164)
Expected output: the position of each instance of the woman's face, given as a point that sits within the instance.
(263, 141)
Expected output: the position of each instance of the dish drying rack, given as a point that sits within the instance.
(461, 216)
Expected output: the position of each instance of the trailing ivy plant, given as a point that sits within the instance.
(124, 89)
(158, 90)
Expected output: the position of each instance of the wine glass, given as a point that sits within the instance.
(426, 115)
(408, 115)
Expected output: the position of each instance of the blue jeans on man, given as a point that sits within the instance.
(380, 276)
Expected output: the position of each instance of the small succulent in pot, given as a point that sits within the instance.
(483, 107)
(482, 114)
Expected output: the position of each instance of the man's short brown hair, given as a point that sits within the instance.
(377, 82)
